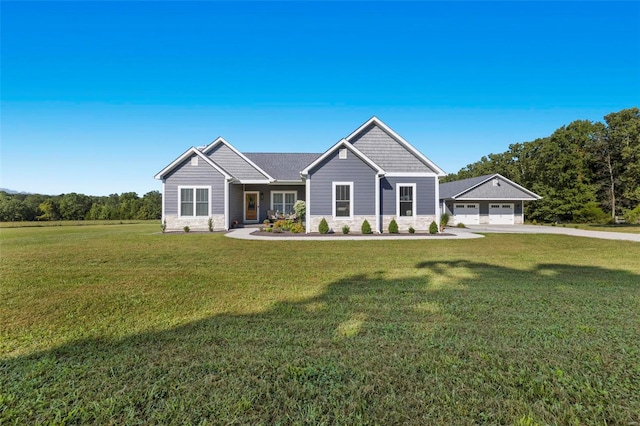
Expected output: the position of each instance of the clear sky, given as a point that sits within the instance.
(97, 97)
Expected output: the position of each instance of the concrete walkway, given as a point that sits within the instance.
(473, 231)
(533, 229)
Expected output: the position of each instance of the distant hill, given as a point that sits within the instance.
(10, 191)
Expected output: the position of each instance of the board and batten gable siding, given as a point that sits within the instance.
(233, 164)
(189, 175)
(425, 194)
(388, 153)
(504, 191)
(350, 169)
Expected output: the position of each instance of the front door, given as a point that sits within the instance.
(251, 206)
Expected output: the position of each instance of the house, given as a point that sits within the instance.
(371, 174)
(490, 199)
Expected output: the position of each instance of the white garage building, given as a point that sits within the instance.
(490, 199)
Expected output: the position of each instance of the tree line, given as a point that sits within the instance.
(585, 171)
(73, 206)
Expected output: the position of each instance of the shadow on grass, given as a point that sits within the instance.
(456, 342)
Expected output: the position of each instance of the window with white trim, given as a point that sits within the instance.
(342, 199)
(194, 201)
(283, 201)
(406, 193)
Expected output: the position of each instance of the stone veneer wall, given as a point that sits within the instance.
(354, 224)
(195, 223)
(419, 223)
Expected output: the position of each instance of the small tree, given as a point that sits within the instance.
(444, 220)
(433, 228)
(366, 227)
(300, 207)
(323, 228)
(393, 227)
(210, 223)
(345, 229)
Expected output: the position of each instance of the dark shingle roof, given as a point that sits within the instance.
(282, 166)
(449, 189)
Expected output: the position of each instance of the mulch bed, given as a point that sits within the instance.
(340, 234)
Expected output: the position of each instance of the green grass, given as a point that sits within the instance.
(119, 324)
(620, 227)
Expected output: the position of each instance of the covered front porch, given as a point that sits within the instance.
(250, 203)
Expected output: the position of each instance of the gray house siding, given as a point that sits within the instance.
(501, 190)
(425, 194)
(351, 169)
(187, 174)
(233, 164)
(386, 152)
(236, 204)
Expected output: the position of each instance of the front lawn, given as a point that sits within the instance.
(119, 324)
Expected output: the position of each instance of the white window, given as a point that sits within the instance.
(342, 200)
(194, 201)
(194, 160)
(283, 201)
(406, 199)
(495, 206)
(459, 206)
(342, 154)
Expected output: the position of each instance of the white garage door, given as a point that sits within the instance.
(501, 214)
(467, 213)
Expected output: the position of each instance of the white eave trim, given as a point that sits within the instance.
(492, 199)
(222, 140)
(187, 154)
(375, 120)
(409, 174)
(343, 143)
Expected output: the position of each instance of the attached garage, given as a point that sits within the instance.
(490, 199)
(501, 214)
(467, 213)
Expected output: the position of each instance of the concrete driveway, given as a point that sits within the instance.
(532, 229)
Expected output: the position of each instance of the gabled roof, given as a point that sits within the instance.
(457, 188)
(377, 122)
(220, 140)
(343, 143)
(188, 154)
(282, 166)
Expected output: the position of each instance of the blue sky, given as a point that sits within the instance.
(97, 97)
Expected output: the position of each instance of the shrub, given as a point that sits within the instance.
(411, 230)
(280, 224)
(461, 225)
(632, 216)
(345, 229)
(590, 212)
(186, 229)
(366, 227)
(297, 228)
(266, 222)
(433, 228)
(323, 228)
(444, 220)
(210, 223)
(393, 227)
(300, 207)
